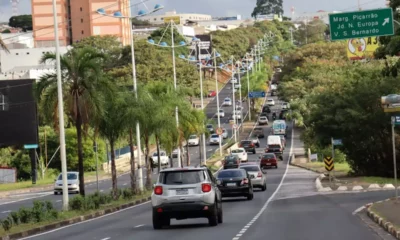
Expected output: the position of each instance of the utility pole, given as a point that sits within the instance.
(394, 158)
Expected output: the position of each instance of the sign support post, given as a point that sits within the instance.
(394, 157)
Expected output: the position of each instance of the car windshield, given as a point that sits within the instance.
(251, 168)
(221, 111)
(181, 177)
(270, 100)
(227, 100)
(214, 136)
(229, 159)
(268, 156)
(230, 174)
(237, 151)
(246, 142)
(274, 146)
(263, 118)
(193, 137)
(209, 126)
(70, 176)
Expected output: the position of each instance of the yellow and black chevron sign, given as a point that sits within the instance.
(329, 164)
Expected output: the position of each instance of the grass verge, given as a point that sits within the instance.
(341, 169)
(389, 211)
(67, 215)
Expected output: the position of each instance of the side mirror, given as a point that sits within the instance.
(264, 171)
(259, 157)
(219, 182)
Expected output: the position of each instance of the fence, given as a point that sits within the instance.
(8, 175)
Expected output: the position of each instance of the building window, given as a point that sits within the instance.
(3, 102)
(16, 54)
(81, 9)
(155, 19)
(162, 19)
(81, 20)
(82, 31)
(27, 53)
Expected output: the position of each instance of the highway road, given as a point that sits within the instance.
(290, 209)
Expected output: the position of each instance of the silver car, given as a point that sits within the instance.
(256, 174)
(183, 193)
(73, 183)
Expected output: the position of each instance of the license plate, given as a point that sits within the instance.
(182, 192)
(268, 163)
(231, 184)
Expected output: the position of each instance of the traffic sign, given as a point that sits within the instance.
(391, 103)
(361, 24)
(256, 94)
(219, 131)
(337, 142)
(396, 120)
(31, 146)
(329, 164)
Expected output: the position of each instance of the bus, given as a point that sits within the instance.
(279, 127)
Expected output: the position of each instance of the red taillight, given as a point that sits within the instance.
(252, 145)
(158, 190)
(259, 174)
(245, 181)
(206, 187)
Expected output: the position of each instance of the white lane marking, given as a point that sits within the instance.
(358, 210)
(24, 199)
(30, 194)
(90, 220)
(138, 226)
(101, 190)
(8, 211)
(271, 197)
(58, 200)
(125, 184)
(106, 238)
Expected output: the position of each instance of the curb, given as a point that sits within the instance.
(48, 187)
(358, 188)
(388, 226)
(71, 221)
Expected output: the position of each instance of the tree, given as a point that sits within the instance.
(265, 7)
(112, 125)
(83, 84)
(6, 31)
(21, 21)
(311, 32)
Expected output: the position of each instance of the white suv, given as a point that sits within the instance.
(182, 193)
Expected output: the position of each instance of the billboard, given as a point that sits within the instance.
(204, 45)
(175, 19)
(18, 113)
(362, 48)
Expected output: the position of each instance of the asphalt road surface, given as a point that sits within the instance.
(290, 209)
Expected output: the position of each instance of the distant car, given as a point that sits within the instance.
(278, 70)
(257, 175)
(234, 80)
(194, 140)
(212, 94)
(220, 113)
(164, 159)
(235, 183)
(239, 108)
(256, 141)
(268, 160)
(215, 139)
(271, 102)
(285, 105)
(73, 183)
(210, 128)
(227, 102)
(240, 153)
(248, 145)
(231, 161)
(258, 132)
(237, 115)
(282, 114)
(224, 133)
(266, 109)
(263, 120)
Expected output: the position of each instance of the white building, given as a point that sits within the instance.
(18, 40)
(224, 25)
(159, 19)
(308, 17)
(24, 63)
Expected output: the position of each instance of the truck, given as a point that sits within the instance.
(274, 145)
(279, 127)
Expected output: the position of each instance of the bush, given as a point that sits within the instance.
(49, 206)
(127, 193)
(6, 224)
(15, 218)
(24, 215)
(38, 211)
(77, 203)
(53, 214)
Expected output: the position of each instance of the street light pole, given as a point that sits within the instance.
(60, 112)
(202, 102)
(394, 158)
(234, 101)
(240, 96)
(248, 85)
(175, 86)
(217, 90)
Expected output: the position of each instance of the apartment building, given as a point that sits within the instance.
(78, 19)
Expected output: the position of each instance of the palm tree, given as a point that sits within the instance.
(3, 46)
(112, 126)
(83, 85)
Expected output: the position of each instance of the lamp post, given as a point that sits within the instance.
(248, 84)
(119, 15)
(60, 111)
(217, 90)
(164, 44)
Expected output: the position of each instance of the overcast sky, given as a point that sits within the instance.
(224, 8)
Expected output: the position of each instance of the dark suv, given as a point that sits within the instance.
(231, 162)
(181, 193)
(248, 145)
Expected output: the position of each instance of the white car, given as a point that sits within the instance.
(164, 159)
(240, 153)
(263, 120)
(224, 133)
(73, 183)
(221, 113)
(234, 80)
(215, 139)
(237, 115)
(271, 102)
(239, 108)
(227, 102)
(285, 105)
(193, 140)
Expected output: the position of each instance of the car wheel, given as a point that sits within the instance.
(250, 196)
(213, 218)
(254, 152)
(157, 221)
(166, 221)
(55, 193)
(220, 215)
(264, 187)
(276, 166)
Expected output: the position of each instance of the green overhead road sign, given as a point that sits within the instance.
(361, 24)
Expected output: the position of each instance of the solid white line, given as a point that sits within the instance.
(138, 226)
(125, 184)
(58, 200)
(90, 220)
(106, 238)
(273, 194)
(8, 211)
(101, 190)
(20, 200)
